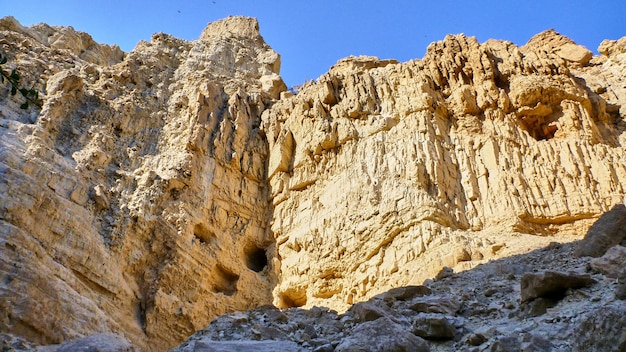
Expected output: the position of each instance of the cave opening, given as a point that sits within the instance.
(256, 259)
(224, 281)
(203, 234)
(539, 128)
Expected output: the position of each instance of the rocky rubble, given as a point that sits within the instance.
(482, 309)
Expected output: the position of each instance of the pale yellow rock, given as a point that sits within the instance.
(474, 145)
(160, 188)
(136, 203)
(575, 53)
(612, 47)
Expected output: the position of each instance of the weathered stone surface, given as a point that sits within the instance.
(436, 304)
(620, 290)
(135, 200)
(506, 344)
(434, 326)
(551, 284)
(406, 293)
(534, 343)
(609, 230)
(539, 306)
(239, 346)
(93, 343)
(381, 335)
(526, 342)
(612, 47)
(485, 322)
(65, 39)
(388, 171)
(611, 262)
(602, 329)
(575, 53)
(160, 188)
(366, 311)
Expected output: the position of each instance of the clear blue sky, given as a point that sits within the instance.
(311, 35)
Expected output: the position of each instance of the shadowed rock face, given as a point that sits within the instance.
(488, 314)
(608, 231)
(160, 188)
(551, 284)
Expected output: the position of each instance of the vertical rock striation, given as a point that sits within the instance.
(135, 201)
(381, 173)
(160, 188)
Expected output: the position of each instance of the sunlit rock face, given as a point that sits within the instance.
(381, 173)
(157, 189)
(135, 200)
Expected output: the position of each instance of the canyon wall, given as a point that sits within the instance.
(135, 200)
(382, 172)
(160, 188)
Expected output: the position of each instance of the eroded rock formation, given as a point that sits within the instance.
(135, 201)
(487, 315)
(382, 173)
(160, 188)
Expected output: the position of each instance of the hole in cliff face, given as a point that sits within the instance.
(291, 299)
(203, 234)
(256, 258)
(224, 281)
(539, 128)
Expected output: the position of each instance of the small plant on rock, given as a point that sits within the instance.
(31, 95)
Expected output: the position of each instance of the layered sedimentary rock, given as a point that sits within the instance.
(160, 188)
(383, 172)
(135, 200)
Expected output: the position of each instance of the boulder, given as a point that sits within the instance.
(381, 335)
(434, 326)
(366, 311)
(575, 53)
(609, 230)
(437, 304)
(405, 293)
(551, 284)
(611, 262)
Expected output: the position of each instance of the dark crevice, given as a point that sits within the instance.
(225, 281)
(256, 259)
(203, 234)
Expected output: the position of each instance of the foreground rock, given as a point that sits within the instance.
(606, 232)
(239, 346)
(611, 263)
(603, 329)
(487, 317)
(551, 284)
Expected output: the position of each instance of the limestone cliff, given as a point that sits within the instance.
(381, 173)
(135, 201)
(160, 188)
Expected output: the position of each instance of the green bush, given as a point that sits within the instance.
(31, 95)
